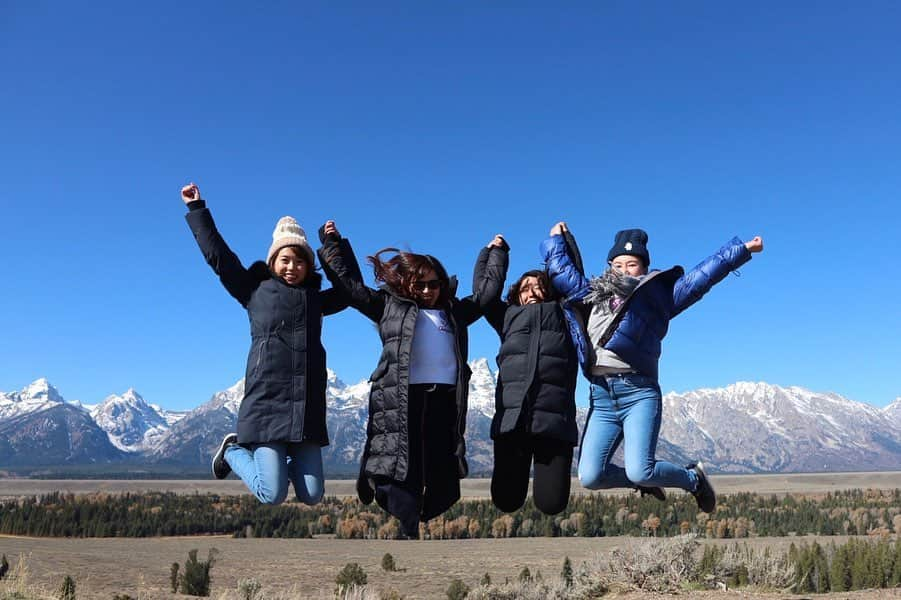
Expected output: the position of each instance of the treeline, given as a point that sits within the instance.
(855, 512)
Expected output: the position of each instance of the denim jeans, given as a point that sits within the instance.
(626, 408)
(266, 469)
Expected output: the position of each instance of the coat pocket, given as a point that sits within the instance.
(379, 371)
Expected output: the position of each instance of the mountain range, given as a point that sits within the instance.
(742, 428)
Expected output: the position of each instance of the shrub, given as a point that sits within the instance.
(195, 577)
(4, 567)
(656, 565)
(173, 577)
(388, 562)
(67, 589)
(351, 575)
(249, 588)
(457, 590)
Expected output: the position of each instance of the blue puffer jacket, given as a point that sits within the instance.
(642, 322)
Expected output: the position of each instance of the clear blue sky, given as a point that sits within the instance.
(434, 125)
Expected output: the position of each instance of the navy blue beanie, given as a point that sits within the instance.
(632, 242)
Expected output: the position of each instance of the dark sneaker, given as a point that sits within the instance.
(221, 468)
(657, 492)
(704, 494)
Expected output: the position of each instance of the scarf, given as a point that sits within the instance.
(610, 290)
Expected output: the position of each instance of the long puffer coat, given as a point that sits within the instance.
(285, 379)
(387, 453)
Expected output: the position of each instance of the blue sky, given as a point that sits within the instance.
(433, 126)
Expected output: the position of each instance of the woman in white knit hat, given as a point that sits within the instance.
(281, 422)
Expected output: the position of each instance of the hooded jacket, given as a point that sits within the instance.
(285, 378)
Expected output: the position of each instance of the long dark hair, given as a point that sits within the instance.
(401, 270)
(543, 281)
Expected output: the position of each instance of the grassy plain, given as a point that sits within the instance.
(307, 568)
(776, 483)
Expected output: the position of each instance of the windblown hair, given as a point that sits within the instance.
(401, 270)
(543, 281)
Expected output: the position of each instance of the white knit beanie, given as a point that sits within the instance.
(289, 233)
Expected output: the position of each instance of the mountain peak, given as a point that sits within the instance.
(41, 389)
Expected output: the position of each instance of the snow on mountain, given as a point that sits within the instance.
(744, 427)
(751, 427)
(481, 387)
(893, 411)
(131, 423)
(36, 396)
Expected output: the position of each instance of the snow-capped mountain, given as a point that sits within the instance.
(893, 411)
(752, 427)
(38, 427)
(131, 423)
(37, 396)
(194, 438)
(745, 427)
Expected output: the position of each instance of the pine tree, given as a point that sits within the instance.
(195, 577)
(896, 567)
(567, 573)
(840, 570)
(173, 577)
(67, 589)
(4, 567)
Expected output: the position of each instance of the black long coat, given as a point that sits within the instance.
(387, 453)
(285, 379)
(537, 364)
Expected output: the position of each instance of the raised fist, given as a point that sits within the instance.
(559, 228)
(755, 244)
(190, 193)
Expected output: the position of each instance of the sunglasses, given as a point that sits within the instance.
(421, 286)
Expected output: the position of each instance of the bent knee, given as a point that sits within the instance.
(269, 496)
(590, 476)
(641, 475)
(551, 505)
(311, 497)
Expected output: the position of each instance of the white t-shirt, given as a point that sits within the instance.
(432, 358)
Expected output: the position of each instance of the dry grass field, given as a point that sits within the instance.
(307, 568)
(778, 483)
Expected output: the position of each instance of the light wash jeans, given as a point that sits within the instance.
(627, 408)
(266, 469)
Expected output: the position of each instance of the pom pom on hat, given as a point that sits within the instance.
(632, 242)
(289, 233)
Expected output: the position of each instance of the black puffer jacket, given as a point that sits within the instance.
(387, 452)
(285, 380)
(537, 363)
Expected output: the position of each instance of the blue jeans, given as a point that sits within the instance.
(266, 469)
(626, 408)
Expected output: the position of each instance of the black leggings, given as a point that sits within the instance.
(513, 456)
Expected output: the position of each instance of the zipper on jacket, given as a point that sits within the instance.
(461, 414)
